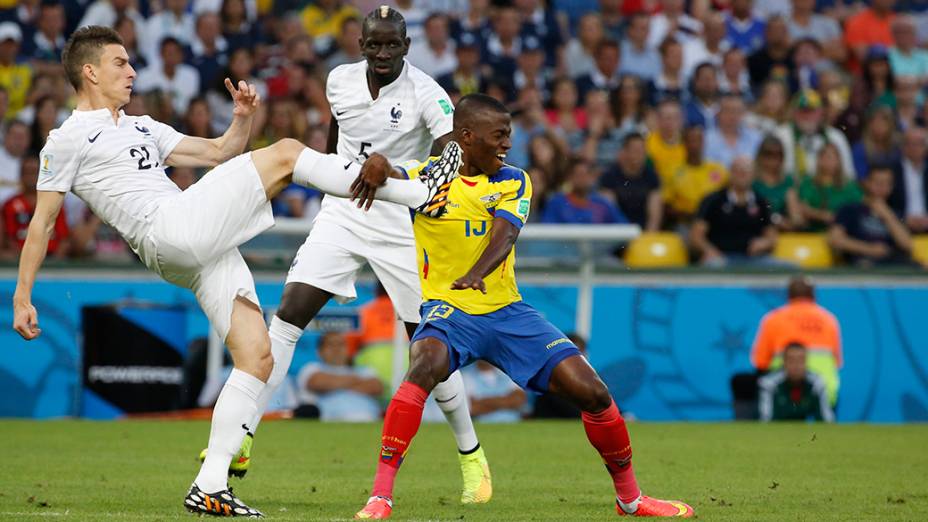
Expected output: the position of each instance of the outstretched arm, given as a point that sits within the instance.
(502, 238)
(202, 152)
(25, 317)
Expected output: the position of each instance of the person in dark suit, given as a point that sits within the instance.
(909, 199)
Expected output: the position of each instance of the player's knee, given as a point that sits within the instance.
(428, 363)
(594, 397)
(254, 356)
(286, 151)
(291, 313)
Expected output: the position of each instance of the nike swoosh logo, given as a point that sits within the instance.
(91, 140)
(246, 428)
(340, 113)
(348, 165)
(447, 400)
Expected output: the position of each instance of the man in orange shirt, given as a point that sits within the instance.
(871, 26)
(801, 321)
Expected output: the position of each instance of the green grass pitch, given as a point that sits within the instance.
(140, 470)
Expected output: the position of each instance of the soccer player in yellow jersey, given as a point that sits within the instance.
(472, 309)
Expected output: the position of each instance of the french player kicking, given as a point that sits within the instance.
(382, 104)
(115, 163)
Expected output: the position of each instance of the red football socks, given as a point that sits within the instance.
(607, 433)
(404, 414)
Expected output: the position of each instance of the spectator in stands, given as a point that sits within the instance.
(342, 392)
(580, 203)
(710, 48)
(174, 21)
(238, 29)
(807, 60)
(801, 321)
(638, 58)
(435, 53)
(879, 144)
(605, 74)
(793, 393)
(604, 135)
(48, 39)
(128, 31)
(878, 82)
(703, 103)
(869, 233)
(283, 121)
(613, 18)
(578, 54)
(540, 21)
(106, 12)
(551, 406)
(772, 184)
(673, 22)
(323, 20)
(17, 211)
(628, 103)
(171, 76)
(634, 185)
(734, 77)
(467, 78)
(197, 119)
(694, 180)
(15, 77)
(349, 47)
(208, 49)
(240, 68)
(805, 136)
(870, 26)
(772, 61)
(16, 143)
(731, 137)
(824, 193)
(744, 30)
(563, 115)
(905, 57)
(665, 145)
(541, 193)
(549, 154)
(733, 225)
(670, 83)
(44, 121)
(4, 104)
(493, 395)
(476, 20)
(530, 68)
(504, 43)
(909, 198)
(804, 22)
(771, 108)
(908, 110)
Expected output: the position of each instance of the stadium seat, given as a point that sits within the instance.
(656, 250)
(920, 248)
(805, 250)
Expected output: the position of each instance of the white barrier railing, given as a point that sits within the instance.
(584, 236)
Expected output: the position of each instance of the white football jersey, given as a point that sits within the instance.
(117, 168)
(404, 120)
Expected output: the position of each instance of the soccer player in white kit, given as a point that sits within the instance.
(115, 163)
(386, 105)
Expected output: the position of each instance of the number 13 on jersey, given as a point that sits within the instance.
(441, 311)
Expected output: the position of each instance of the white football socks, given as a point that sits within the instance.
(631, 507)
(452, 400)
(234, 409)
(284, 337)
(333, 175)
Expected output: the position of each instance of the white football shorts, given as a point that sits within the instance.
(332, 256)
(194, 237)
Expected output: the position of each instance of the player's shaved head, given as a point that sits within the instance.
(473, 108)
(387, 14)
(86, 46)
(800, 287)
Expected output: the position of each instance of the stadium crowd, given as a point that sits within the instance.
(726, 122)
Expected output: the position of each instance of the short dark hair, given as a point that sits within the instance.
(385, 14)
(794, 345)
(83, 47)
(475, 103)
(632, 136)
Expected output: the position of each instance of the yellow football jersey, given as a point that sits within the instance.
(447, 247)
